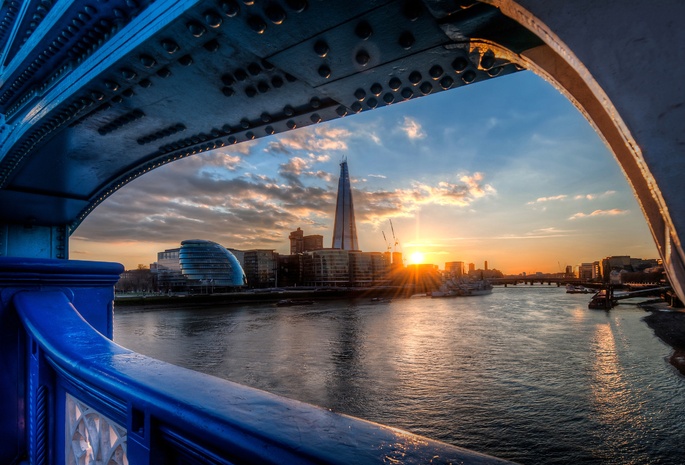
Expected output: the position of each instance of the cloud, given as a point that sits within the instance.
(412, 128)
(548, 199)
(542, 233)
(612, 212)
(312, 139)
(593, 196)
(379, 176)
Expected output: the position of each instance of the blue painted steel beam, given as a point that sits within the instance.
(101, 93)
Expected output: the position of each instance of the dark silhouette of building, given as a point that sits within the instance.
(299, 243)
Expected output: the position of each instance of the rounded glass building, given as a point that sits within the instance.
(206, 263)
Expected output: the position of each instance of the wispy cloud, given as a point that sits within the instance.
(548, 199)
(412, 128)
(612, 212)
(594, 196)
(379, 176)
(542, 233)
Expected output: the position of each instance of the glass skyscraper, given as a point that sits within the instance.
(345, 228)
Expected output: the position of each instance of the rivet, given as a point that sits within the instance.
(291, 124)
(228, 79)
(196, 28)
(356, 107)
(257, 24)
(446, 82)
(97, 95)
(226, 128)
(415, 77)
(266, 117)
(469, 76)
(315, 118)
(436, 71)
(363, 30)
(228, 91)
(388, 98)
(128, 74)
(128, 93)
(376, 88)
(341, 110)
(495, 71)
(269, 130)
(426, 88)
(249, 2)
(288, 110)
(324, 71)
(254, 69)
(249, 135)
(290, 78)
(250, 91)
(395, 83)
(240, 74)
(230, 8)
(411, 10)
(232, 140)
(406, 40)
(277, 81)
(321, 48)
(275, 13)
(186, 60)
(372, 102)
(244, 123)
(112, 85)
(359, 94)
(262, 87)
(459, 64)
(212, 45)
(298, 6)
(487, 61)
(407, 93)
(363, 57)
(164, 72)
(315, 102)
(267, 65)
(169, 46)
(212, 18)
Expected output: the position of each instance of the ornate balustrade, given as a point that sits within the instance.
(89, 400)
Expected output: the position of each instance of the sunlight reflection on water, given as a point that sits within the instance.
(528, 373)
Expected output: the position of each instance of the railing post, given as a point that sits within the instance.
(30, 418)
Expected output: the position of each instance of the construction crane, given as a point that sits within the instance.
(386, 242)
(393, 236)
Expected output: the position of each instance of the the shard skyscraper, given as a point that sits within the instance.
(345, 228)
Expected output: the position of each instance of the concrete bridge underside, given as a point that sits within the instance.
(94, 94)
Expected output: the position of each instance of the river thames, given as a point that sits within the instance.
(527, 374)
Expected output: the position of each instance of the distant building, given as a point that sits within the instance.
(454, 269)
(208, 265)
(472, 267)
(344, 228)
(586, 272)
(260, 267)
(367, 268)
(326, 267)
(299, 243)
(168, 269)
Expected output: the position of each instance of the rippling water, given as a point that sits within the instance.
(527, 374)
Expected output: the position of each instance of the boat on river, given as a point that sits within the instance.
(572, 289)
(463, 288)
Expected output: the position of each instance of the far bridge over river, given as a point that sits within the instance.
(95, 94)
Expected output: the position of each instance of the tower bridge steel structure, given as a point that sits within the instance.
(95, 94)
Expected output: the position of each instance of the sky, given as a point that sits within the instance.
(505, 171)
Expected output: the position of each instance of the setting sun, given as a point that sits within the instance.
(417, 258)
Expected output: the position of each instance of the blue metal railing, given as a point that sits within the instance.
(175, 415)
